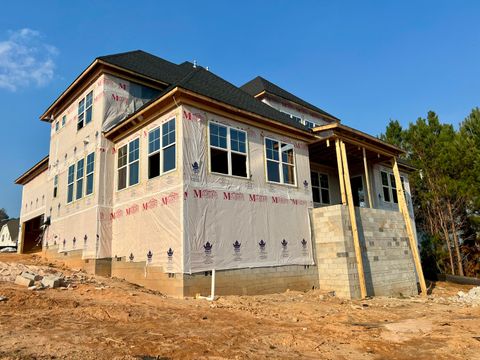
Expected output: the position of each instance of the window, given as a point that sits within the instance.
(280, 162)
(309, 124)
(70, 183)
(161, 149)
(64, 120)
(389, 187)
(320, 188)
(168, 145)
(56, 126)
(296, 118)
(228, 150)
(89, 173)
(80, 173)
(55, 186)
(128, 164)
(85, 110)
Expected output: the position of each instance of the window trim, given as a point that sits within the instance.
(87, 174)
(162, 148)
(391, 188)
(280, 162)
(85, 108)
(55, 186)
(322, 188)
(229, 151)
(127, 165)
(72, 182)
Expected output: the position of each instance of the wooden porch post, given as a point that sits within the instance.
(402, 205)
(340, 170)
(367, 180)
(353, 222)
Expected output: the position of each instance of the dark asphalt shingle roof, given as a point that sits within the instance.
(259, 84)
(147, 64)
(198, 80)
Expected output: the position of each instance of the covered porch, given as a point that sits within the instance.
(346, 177)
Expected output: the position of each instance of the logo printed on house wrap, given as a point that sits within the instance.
(284, 244)
(169, 259)
(262, 250)
(208, 256)
(237, 251)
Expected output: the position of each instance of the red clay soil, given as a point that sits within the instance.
(102, 318)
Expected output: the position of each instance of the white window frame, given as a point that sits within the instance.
(279, 162)
(84, 112)
(229, 151)
(55, 186)
(71, 182)
(91, 173)
(128, 163)
(82, 179)
(308, 122)
(320, 188)
(391, 189)
(161, 149)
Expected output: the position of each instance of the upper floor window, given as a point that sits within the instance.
(389, 187)
(228, 150)
(296, 118)
(309, 124)
(161, 149)
(128, 164)
(280, 158)
(64, 120)
(320, 188)
(77, 187)
(56, 126)
(55, 186)
(85, 110)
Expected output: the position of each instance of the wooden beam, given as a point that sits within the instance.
(340, 171)
(353, 222)
(367, 180)
(402, 205)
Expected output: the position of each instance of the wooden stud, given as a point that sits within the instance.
(402, 205)
(328, 142)
(353, 222)
(368, 188)
(340, 171)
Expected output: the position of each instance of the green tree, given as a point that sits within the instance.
(3, 214)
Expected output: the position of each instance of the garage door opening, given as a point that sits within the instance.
(32, 235)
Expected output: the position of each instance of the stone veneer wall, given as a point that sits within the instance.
(387, 259)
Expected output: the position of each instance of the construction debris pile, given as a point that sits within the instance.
(40, 277)
(472, 297)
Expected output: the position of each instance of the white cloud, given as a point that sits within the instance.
(25, 60)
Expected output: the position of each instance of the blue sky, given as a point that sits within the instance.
(363, 61)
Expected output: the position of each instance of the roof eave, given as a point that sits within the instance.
(133, 118)
(33, 172)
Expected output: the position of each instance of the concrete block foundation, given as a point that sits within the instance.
(388, 264)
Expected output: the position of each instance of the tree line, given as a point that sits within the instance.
(445, 190)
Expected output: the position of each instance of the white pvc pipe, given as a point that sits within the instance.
(212, 290)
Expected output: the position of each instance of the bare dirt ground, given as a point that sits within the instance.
(100, 318)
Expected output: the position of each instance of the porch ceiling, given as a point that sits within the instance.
(323, 154)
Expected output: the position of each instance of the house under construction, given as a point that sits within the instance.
(159, 173)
